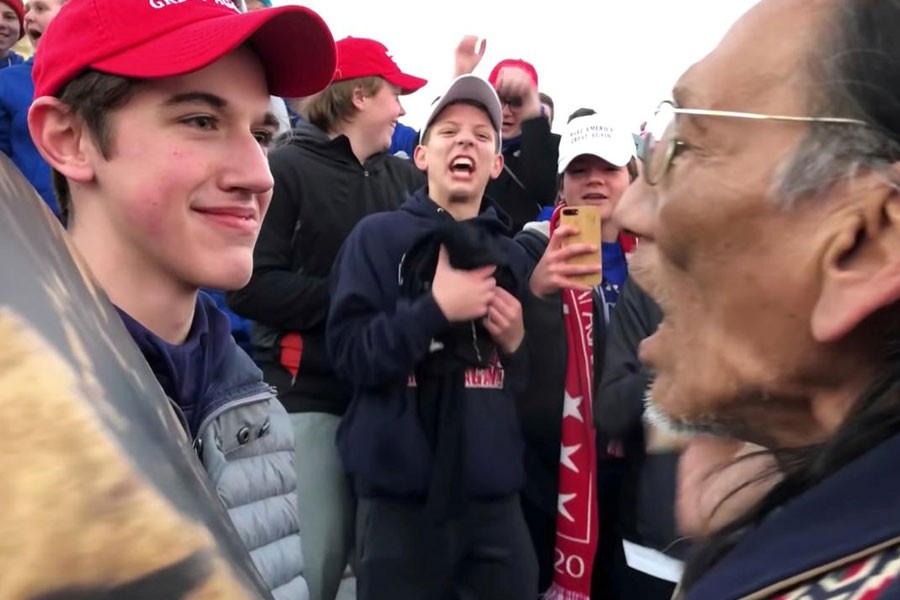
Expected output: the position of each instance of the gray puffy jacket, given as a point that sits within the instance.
(246, 444)
(241, 434)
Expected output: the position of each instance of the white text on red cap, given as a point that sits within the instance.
(166, 3)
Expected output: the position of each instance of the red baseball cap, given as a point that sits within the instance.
(513, 62)
(150, 39)
(361, 57)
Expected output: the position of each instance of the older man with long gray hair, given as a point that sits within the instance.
(770, 211)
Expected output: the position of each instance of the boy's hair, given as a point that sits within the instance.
(546, 99)
(581, 112)
(92, 96)
(334, 104)
(427, 133)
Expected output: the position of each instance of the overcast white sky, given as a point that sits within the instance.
(617, 56)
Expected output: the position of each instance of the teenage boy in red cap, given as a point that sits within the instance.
(154, 116)
(426, 324)
(12, 28)
(333, 171)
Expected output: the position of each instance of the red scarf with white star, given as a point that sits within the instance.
(576, 520)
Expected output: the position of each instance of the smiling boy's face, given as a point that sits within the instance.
(9, 27)
(186, 183)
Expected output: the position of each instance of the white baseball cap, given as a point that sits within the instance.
(475, 89)
(593, 135)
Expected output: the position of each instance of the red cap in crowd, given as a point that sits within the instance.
(19, 9)
(150, 39)
(517, 63)
(361, 57)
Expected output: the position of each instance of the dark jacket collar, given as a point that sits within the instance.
(205, 372)
(337, 149)
(853, 510)
(489, 214)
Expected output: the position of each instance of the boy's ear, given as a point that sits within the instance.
(497, 167)
(420, 156)
(61, 138)
(358, 98)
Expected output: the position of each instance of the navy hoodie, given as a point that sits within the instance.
(375, 339)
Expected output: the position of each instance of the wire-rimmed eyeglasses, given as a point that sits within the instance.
(659, 144)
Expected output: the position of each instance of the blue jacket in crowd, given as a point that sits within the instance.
(404, 141)
(376, 338)
(12, 59)
(16, 95)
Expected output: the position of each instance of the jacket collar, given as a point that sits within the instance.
(855, 509)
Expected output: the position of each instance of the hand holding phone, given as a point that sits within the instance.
(572, 258)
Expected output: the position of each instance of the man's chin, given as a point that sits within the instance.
(681, 424)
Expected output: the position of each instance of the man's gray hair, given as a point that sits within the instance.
(830, 153)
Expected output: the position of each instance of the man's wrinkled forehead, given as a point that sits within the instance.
(763, 62)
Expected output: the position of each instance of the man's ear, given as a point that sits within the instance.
(61, 138)
(497, 167)
(861, 265)
(420, 157)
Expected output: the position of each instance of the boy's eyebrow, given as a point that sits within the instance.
(270, 120)
(460, 123)
(198, 97)
(217, 102)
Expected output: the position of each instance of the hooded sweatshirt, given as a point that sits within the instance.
(377, 337)
(321, 192)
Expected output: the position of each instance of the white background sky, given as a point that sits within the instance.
(617, 56)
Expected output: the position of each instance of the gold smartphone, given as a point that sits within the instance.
(587, 220)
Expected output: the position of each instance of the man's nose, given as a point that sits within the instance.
(636, 211)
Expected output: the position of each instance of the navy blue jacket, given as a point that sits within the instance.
(16, 95)
(375, 339)
(840, 522)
